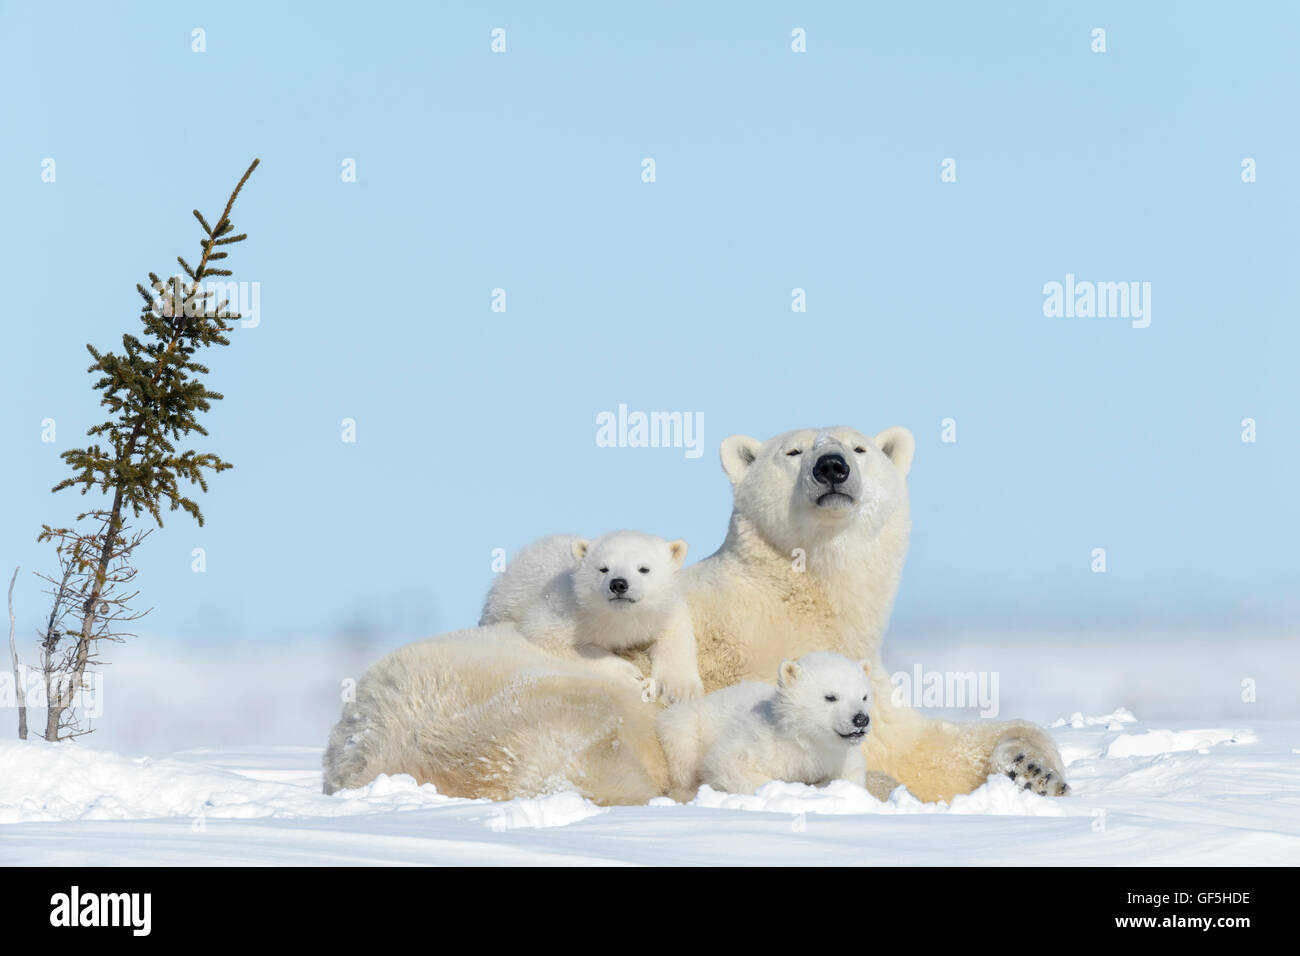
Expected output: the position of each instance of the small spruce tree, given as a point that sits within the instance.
(154, 395)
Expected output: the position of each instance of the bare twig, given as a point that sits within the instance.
(19, 689)
(65, 662)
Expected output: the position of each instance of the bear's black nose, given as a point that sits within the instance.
(860, 719)
(618, 585)
(831, 469)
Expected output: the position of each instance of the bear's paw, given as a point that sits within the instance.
(1029, 767)
(672, 687)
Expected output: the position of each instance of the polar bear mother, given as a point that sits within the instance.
(811, 562)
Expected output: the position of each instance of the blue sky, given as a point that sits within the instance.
(774, 171)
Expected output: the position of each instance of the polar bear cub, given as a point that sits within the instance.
(592, 599)
(807, 729)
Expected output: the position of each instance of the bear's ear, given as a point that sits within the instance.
(788, 673)
(738, 453)
(580, 547)
(898, 445)
(678, 550)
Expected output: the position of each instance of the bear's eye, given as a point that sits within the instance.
(831, 698)
(794, 451)
(604, 570)
(860, 450)
(644, 570)
(864, 696)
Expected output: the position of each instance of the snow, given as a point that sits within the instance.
(1159, 795)
(1170, 763)
(553, 810)
(1167, 741)
(1113, 721)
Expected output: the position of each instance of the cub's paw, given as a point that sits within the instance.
(617, 669)
(677, 687)
(1030, 768)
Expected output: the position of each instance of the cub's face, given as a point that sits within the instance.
(624, 569)
(808, 485)
(826, 695)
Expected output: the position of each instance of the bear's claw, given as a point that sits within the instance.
(649, 690)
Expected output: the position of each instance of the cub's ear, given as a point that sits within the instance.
(788, 673)
(678, 550)
(580, 547)
(866, 666)
(898, 445)
(738, 453)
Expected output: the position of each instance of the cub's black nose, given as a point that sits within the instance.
(831, 469)
(860, 719)
(618, 585)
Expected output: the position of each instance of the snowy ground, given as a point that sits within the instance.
(1220, 789)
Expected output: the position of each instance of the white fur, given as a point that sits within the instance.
(484, 713)
(806, 729)
(592, 599)
(794, 576)
(798, 572)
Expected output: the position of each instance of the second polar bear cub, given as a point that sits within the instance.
(594, 599)
(808, 729)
